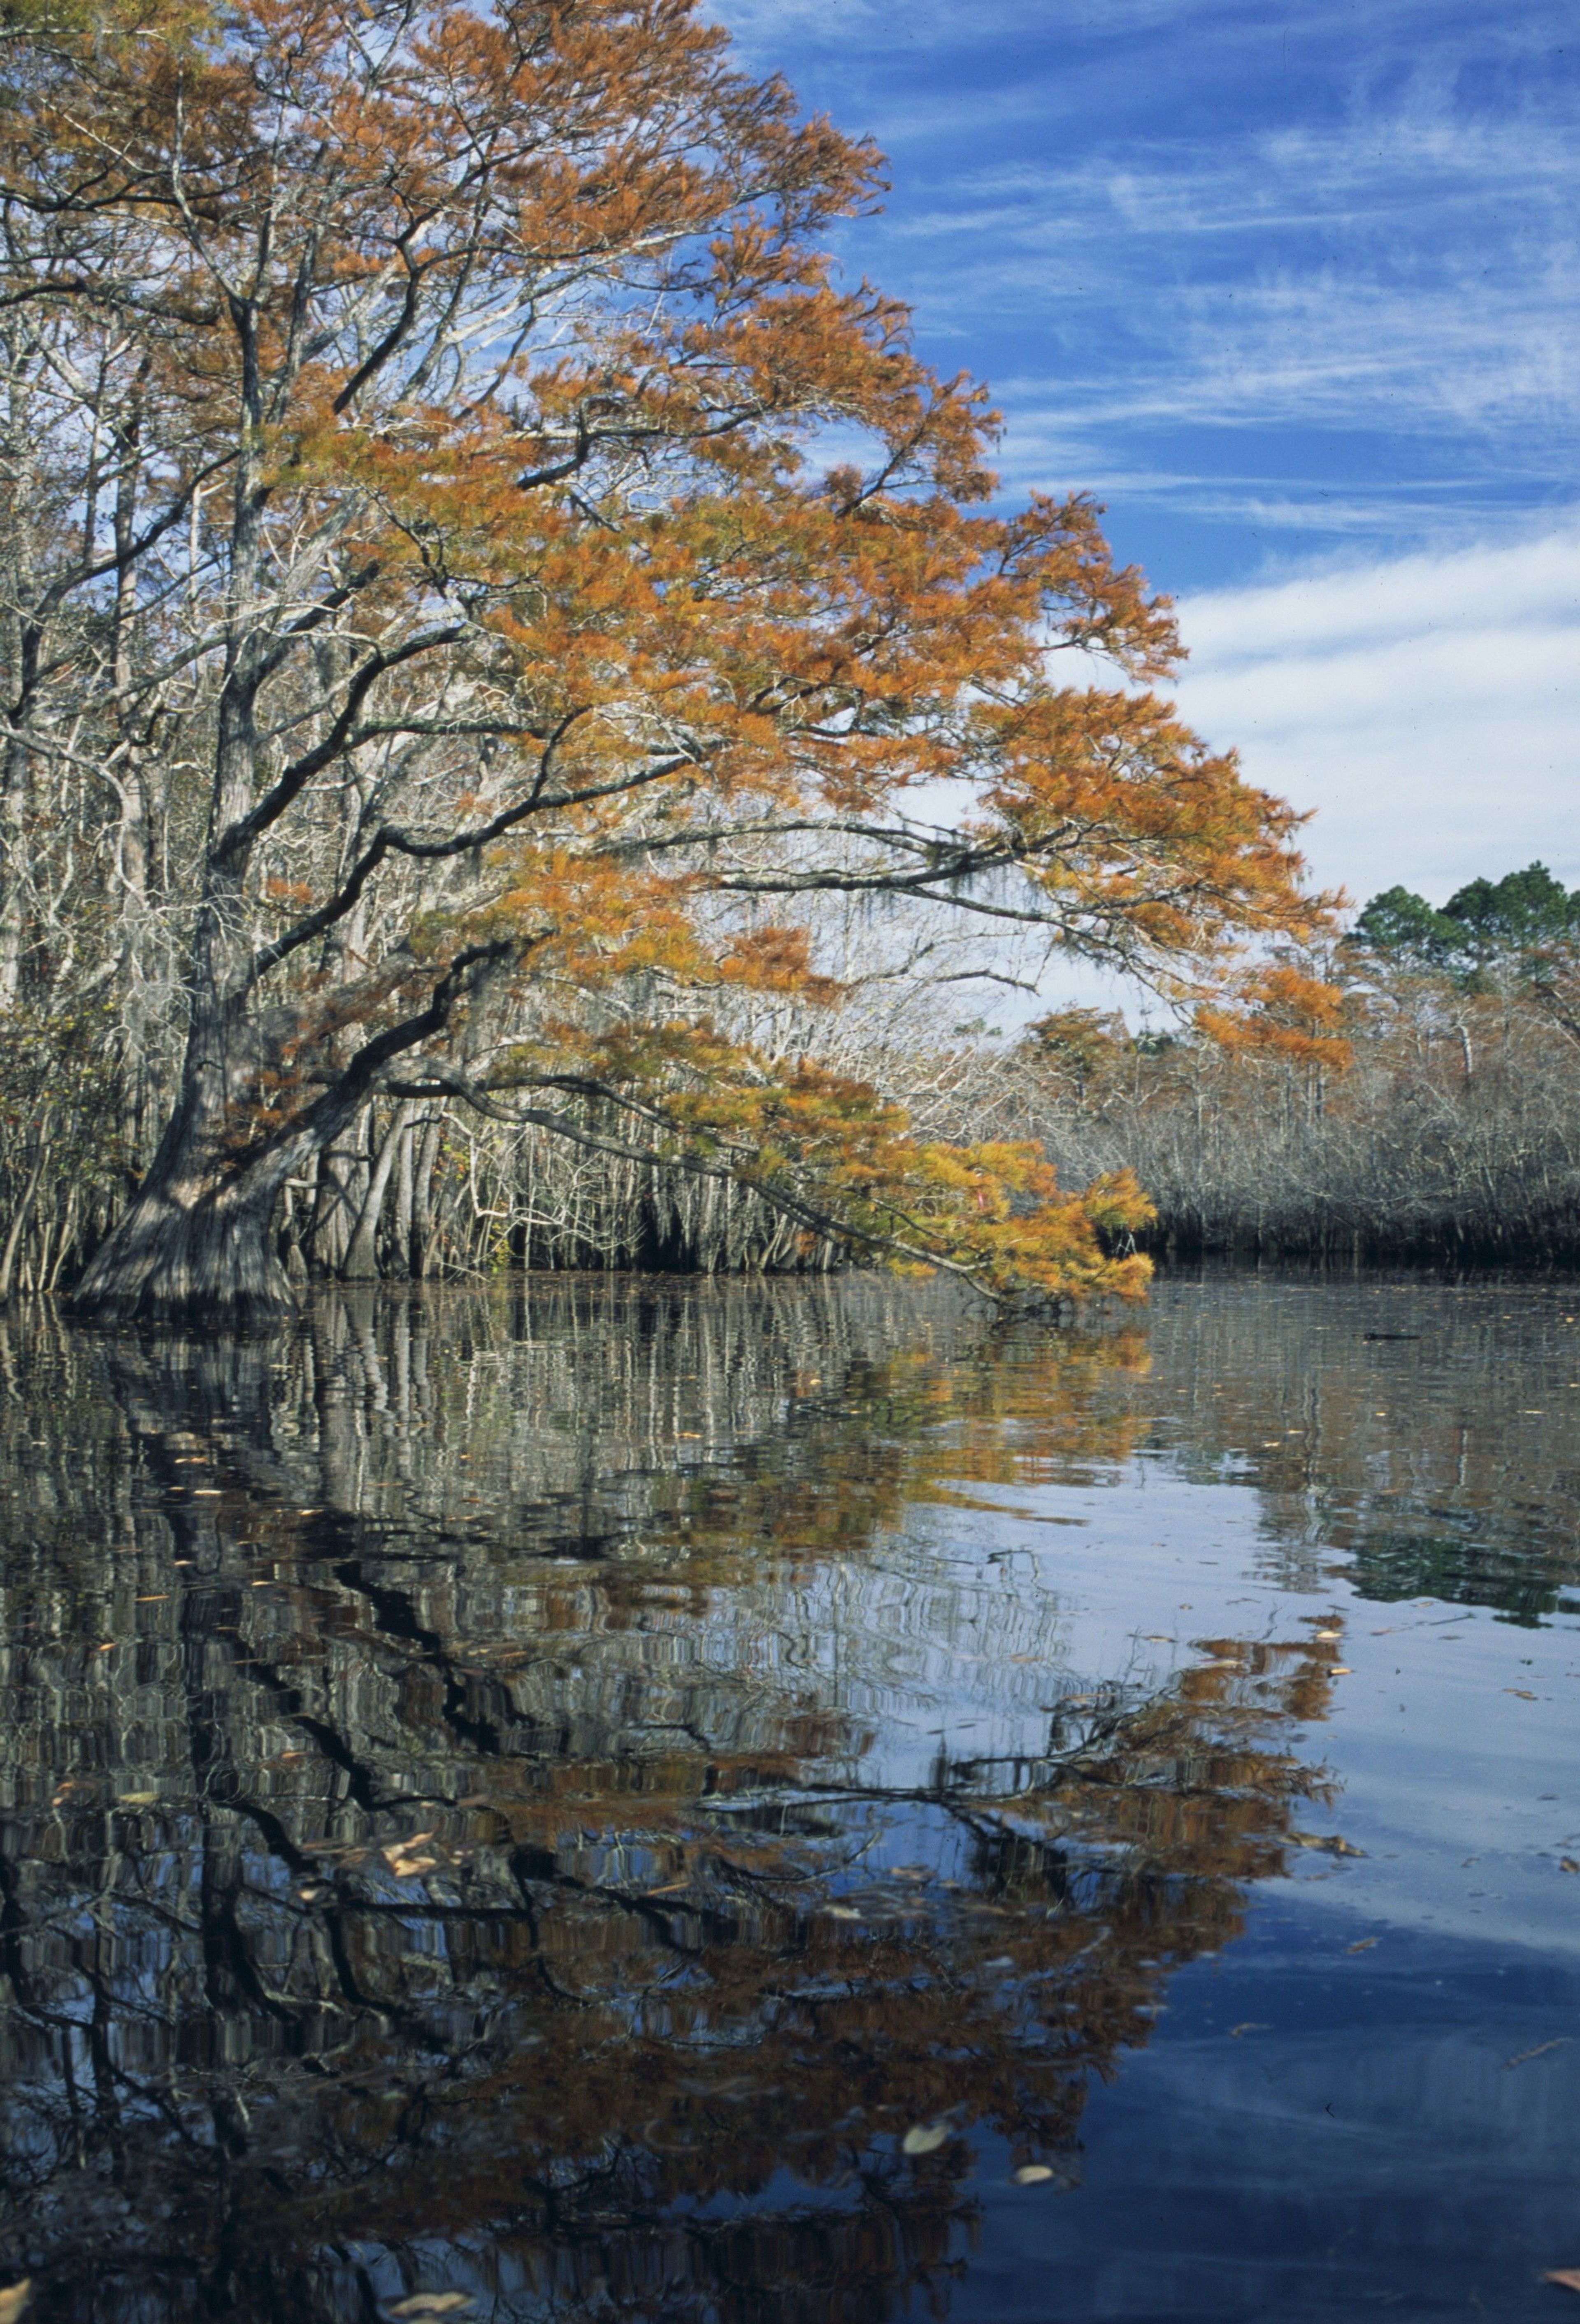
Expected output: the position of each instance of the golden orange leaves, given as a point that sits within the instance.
(617, 576)
(1280, 1011)
(833, 1152)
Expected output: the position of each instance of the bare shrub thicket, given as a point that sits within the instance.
(1454, 1133)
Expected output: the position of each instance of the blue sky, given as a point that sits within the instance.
(1296, 289)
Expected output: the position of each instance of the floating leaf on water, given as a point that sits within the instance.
(1568, 1864)
(1329, 1843)
(1327, 1634)
(398, 1848)
(14, 2299)
(1569, 2277)
(1523, 2057)
(1361, 1945)
(925, 2139)
(431, 2304)
(136, 1799)
(1030, 2174)
(1249, 2026)
(1524, 1693)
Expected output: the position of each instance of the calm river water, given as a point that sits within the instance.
(648, 1803)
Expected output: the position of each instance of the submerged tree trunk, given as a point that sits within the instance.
(194, 1247)
(362, 1256)
(424, 1230)
(20, 1215)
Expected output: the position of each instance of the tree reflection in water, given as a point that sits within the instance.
(459, 1829)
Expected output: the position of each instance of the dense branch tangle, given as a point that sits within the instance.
(420, 509)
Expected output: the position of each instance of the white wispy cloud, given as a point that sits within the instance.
(1274, 278)
(1221, 241)
(1423, 710)
(1428, 708)
(1366, 279)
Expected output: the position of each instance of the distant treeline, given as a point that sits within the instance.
(1446, 1126)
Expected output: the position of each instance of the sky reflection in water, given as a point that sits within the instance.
(629, 1801)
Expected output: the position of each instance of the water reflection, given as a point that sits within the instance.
(507, 1795)
(1424, 1432)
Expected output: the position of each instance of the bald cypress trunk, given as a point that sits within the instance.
(194, 1247)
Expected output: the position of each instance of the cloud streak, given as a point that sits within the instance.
(1285, 283)
(1299, 269)
(1427, 707)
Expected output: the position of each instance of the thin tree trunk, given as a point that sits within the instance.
(46, 1245)
(424, 1232)
(133, 838)
(335, 1207)
(18, 519)
(405, 1197)
(361, 1255)
(68, 1232)
(295, 1264)
(19, 1218)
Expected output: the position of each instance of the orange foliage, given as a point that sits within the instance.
(522, 311)
(1277, 1011)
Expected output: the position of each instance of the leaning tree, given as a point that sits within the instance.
(445, 468)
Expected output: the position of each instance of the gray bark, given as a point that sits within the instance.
(361, 1258)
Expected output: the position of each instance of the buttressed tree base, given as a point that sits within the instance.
(445, 472)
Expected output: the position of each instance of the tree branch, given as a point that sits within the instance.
(340, 737)
(442, 1080)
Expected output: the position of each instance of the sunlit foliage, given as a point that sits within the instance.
(504, 573)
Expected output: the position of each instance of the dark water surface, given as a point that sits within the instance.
(650, 1805)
